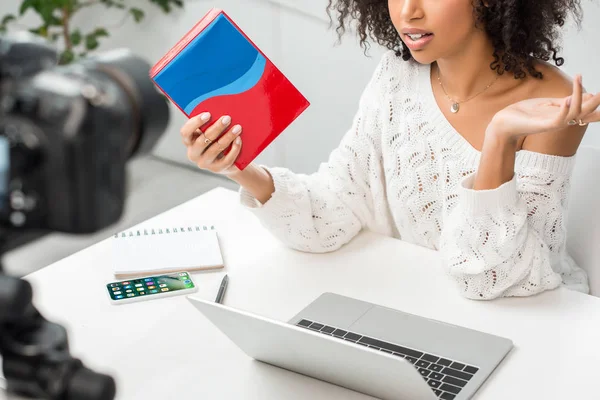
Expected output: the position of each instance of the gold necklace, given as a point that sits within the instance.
(456, 104)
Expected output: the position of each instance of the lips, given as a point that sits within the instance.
(417, 36)
(417, 43)
(413, 31)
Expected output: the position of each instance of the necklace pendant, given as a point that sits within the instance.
(454, 108)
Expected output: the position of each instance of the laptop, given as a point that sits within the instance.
(378, 351)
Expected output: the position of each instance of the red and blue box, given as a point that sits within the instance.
(215, 67)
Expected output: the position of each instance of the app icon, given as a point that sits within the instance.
(114, 284)
(138, 284)
(151, 287)
(149, 283)
(119, 297)
(140, 289)
(142, 293)
(129, 291)
(187, 281)
(182, 274)
(148, 279)
(163, 285)
(164, 289)
(127, 287)
(115, 289)
(119, 292)
(126, 283)
(189, 285)
(154, 291)
(130, 294)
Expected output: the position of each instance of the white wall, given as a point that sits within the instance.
(581, 51)
(295, 35)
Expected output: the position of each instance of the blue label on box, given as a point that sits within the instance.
(219, 61)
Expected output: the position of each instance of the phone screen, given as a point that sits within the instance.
(149, 286)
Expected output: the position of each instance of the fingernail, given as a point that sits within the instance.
(238, 141)
(569, 102)
(205, 116)
(226, 120)
(580, 79)
(236, 130)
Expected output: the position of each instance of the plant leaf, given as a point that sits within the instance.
(91, 39)
(26, 5)
(113, 3)
(7, 19)
(70, 4)
(138, 14)
(41, 31)
(91, 42)
(49, 11)
(100, 32)
(66, 57)
(163, 4)
(76, 37)
(54, 21)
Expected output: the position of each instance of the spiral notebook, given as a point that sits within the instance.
(163, 250)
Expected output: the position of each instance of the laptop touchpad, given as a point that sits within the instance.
(333, 310)
(413, 331)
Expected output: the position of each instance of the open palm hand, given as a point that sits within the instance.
(539, 115)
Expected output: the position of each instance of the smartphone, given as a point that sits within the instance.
(150, 287)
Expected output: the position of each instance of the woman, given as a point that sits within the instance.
(464, 141)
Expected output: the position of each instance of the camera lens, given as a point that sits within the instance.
(150, 108)
(86, 384)
(15, 297)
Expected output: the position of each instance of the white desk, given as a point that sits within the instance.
(158, 348)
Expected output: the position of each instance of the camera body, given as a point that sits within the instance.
(68, 132)
(61, 128)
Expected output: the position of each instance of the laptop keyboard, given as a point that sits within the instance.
(445, 377)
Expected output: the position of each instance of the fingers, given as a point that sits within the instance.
(211, 134)
(216, 129)
(192, 126)
(564, 110)
(592, 117)
(582, 107)
(590, 105)
(587, 96)
(220, 145)
(227, 161)
(575, 100)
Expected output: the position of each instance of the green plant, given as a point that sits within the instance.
(57, 15)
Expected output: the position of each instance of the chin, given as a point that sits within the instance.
(423, 57)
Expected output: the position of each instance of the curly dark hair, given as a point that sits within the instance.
(521, 31)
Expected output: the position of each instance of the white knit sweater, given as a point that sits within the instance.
(403, 171)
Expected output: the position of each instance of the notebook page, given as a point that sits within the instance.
(187, 250)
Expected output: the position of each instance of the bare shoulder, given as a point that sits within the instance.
(555, 83)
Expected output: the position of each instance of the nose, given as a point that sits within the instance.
(411, 10)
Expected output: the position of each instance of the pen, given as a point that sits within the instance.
(222, 289)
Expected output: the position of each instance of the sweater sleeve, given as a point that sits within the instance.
(510, 241)
(325, 210)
